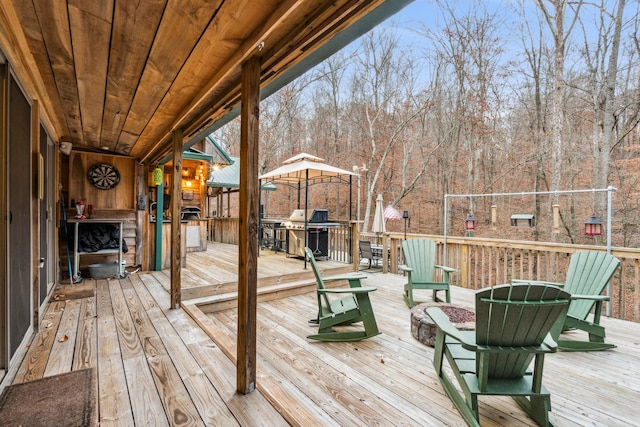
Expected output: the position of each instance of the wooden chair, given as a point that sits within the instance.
(420, 257)
(512, 329)
(352, 305)
(367, 253)
(587, 277)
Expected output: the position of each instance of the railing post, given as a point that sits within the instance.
(465, 261)
(355, 255)
(394, 255)
(385, 253)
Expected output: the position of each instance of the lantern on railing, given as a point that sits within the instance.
(469, 225)
(593, 226)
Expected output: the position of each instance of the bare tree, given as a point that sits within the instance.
(555, 20)
(383, 104)
(601, 81)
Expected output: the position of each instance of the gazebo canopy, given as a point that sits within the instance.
(295, 170)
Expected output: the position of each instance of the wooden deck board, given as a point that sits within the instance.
(158, 366)
(61, 357)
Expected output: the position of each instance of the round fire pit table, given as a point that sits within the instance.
(424, 330)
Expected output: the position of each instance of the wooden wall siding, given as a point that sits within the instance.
(225, 230)
(121, 197)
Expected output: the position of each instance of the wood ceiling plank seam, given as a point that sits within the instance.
(102, 9)
(194, 67)
(358, 10)
(284, 12)
(91, 57)
(240, 53)
(233, 96)
(178, 32)
(16, 45)
(245, 50)
(342, 14)
(130, 51)
(379, 11)
(54, 26)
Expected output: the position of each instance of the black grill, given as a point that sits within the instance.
(190, 213)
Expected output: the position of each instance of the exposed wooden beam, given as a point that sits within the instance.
(176, 249)
(248, 235)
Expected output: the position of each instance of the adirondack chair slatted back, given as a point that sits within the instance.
(323, 299)
(420, 255)
(512, 316)
(588, 274)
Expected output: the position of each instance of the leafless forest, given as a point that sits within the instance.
(527, 96)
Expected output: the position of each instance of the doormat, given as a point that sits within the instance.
(73, 292)
(61, 400)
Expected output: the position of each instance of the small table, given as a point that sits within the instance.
(377, 251)
(76, 254)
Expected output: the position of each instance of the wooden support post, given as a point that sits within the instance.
(248, 235)
(176, 248)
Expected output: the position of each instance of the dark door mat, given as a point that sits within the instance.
(61, 400)
(73, 292)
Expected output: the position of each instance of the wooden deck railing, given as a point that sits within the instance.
(484, 262)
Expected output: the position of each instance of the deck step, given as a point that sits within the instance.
(266, 291)
(229, 300)
(198, 292)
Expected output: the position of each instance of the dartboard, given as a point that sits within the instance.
(103, 176)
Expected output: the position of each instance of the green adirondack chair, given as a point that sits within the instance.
(512, 329)
(587, 277)
(420, 258)
(342, 307)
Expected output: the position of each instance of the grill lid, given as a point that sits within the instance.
(190, 213)
(313, 215)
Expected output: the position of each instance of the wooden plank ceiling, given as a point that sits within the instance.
(121, 75)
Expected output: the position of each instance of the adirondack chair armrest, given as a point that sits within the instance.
(346, 291)
(443, 323)
(597, 298)
(405, 268)
(353, 279)
(446, 269)
(550, 343)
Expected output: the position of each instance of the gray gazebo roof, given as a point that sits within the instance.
(296, 168)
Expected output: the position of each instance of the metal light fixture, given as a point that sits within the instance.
(405, 215)
(593, 226)
(469, 225)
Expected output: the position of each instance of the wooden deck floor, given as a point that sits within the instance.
(158, 367)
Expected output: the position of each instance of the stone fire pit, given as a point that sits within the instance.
(424, 330)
